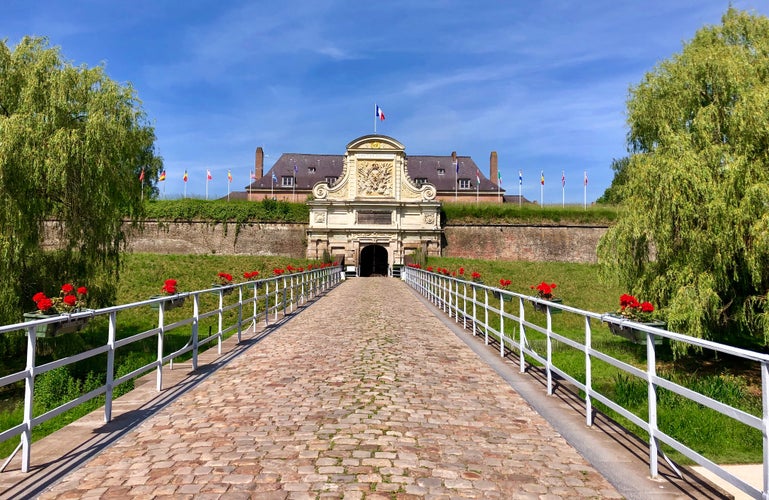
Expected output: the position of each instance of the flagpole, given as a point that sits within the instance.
(585, 195)
(206, 186)
(520, 188)
(375, 117)
(563, 189)
(542, 189)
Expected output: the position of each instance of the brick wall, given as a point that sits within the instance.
(491, 242)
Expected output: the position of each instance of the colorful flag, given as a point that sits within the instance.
(274, 178)
(585, 177)
(520, 177)
(208, 175)
(477, 176)
(379, 113)
(296, 169)
(185, 176)
(563, 178)
(141, 176)
(542, 177)
(253, 176)
(499, 178)
(162, 176)
(456, 164)
(229, 176)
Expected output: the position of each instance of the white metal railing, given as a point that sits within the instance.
(469, 304)
(263, 299)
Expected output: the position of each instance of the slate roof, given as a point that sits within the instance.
(418, 167)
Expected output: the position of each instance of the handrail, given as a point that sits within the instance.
(281, 295)
(475, 311)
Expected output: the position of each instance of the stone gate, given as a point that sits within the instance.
(374, 216)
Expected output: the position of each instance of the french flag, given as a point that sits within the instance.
(379, 113)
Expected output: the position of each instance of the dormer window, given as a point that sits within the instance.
(420, 181)
(441, 171)
(287, 181)
(311, 170)
(464, 183)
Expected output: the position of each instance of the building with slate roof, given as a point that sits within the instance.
(454, 177)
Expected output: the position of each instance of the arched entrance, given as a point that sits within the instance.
(373, 261)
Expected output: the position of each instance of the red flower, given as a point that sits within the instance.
(631, 308)
(67, 288)
(70, 300)
(81, 290)
(545, 290)
(504, 283)
(224, 278)
(476, 276)
(38, 297)
(169, 287)
(647, 307)
(461, 271)
(44, 304)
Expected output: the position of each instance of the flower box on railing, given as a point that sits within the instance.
(170, 304)
(224, 291)
(543, 308)
(71, 325)
(503, 296)
(634, 335)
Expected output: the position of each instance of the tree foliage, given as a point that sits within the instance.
(72, 145)
(614, 193)
(693, 234)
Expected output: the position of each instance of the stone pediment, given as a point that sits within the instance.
(374, 168)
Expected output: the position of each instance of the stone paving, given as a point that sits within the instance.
(363, 395)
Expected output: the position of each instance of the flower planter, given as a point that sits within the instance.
(505, 297)
(170, 304)
(226, 291)
(633, 335)
(543, 308)
(55, 329)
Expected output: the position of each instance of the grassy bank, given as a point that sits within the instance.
(720, 377)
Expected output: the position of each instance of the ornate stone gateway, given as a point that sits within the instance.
(374, 216)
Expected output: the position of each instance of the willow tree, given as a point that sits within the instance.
(694, 232)
(72, 146)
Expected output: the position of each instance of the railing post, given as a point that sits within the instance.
(521, 334)
(651, 371)
(111, 365)
(475, 312)
(195, 323)
(501, 326)
(486, 315)
(221, 319)
(549, 340)
(240, 314)
(765, 419)
(256, 306)
(161, 341)
(588, 373)
(29, 393)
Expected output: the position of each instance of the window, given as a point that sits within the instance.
(331, 180)
(441, 171)
(311, 170)
(287, 181)
(420, 181)
(464, 183)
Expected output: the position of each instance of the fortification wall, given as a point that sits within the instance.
(563, 243)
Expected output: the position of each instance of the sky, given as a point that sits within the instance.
(544, 84)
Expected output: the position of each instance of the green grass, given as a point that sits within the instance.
(491, 213)
(715, 436)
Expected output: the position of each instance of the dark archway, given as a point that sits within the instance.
(373, 261)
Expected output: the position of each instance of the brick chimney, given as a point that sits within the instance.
(259, 163)
(493, 168)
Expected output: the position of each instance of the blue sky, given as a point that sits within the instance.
(542, 83)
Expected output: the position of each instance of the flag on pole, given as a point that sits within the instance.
(274, 178)
(162, 176)
(563, 178)
(477, 176)
(379, 113)
(520, 177)
(456, 164)
(141, 176)
(253, 176)
(542, 177)
(585, 177)
(499, 178)
(208, 175)
(185, 176)
(296, 169)
(229, 176)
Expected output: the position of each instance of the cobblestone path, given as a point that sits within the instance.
(363, 395)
